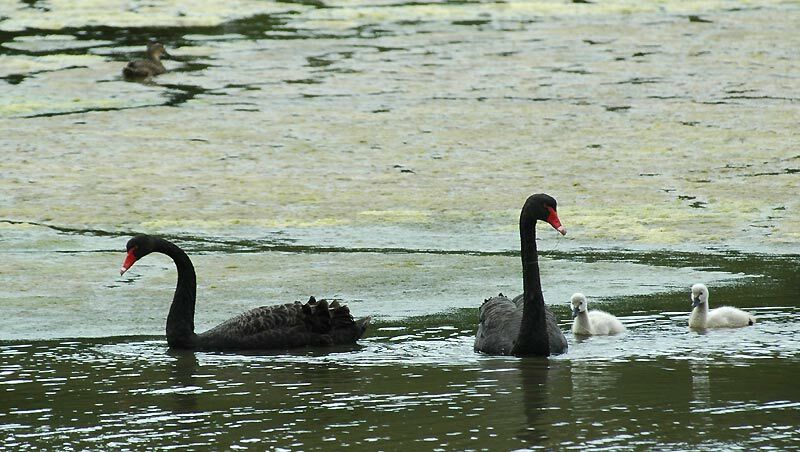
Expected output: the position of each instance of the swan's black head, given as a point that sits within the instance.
(545, 208)
(137, 248)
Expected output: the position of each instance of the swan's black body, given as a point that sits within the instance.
(315, 323)
(523, 326)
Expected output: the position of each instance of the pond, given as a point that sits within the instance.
(379, 153)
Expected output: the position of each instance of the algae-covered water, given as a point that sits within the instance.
(378, 152)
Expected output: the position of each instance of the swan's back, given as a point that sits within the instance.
(315, 323)
(728, 317)
(498, 327)
(604, 323)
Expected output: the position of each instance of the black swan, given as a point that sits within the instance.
(315, 323)
(524, 326)
(150, 66)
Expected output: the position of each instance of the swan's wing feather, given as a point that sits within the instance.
(273, 324)
(498, 326)
(287, 325)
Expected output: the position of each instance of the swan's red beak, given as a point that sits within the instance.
(129, 260)
(555, 222)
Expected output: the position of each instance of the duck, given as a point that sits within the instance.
(150, 66)
(592, 323)
(721, 317)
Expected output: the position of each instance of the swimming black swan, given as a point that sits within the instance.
(524, 326)
(594, 322)
(150, 66)
(315, 323)
(722, 317)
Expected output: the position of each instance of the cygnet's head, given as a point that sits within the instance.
(578, 303)
(699, 295)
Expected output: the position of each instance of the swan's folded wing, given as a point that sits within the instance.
(277, 326)
(285, 326)
(498, 326)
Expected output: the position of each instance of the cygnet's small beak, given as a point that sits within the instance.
(575, 312)
(696, 302)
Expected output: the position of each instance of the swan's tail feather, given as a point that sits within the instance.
(344, 328)
(340, 316)
(333, 318)
(317, 315)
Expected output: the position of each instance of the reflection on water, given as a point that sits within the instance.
(658, 385)
(182, 375)
(701, 383)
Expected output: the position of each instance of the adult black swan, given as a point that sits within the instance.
(524, 326)
(315, 323)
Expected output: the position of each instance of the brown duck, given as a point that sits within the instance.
(150, 66)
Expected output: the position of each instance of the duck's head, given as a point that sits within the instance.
(156, 50)
(579, 304)
(699, 295)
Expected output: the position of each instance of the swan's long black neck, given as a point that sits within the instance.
(180, 321)
(532, 339)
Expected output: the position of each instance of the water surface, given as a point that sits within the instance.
(379, 152)
(659, 386)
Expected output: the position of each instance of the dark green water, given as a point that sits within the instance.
(417, 383)
(133, 394)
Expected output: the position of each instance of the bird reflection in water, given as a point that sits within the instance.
(182, 376)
